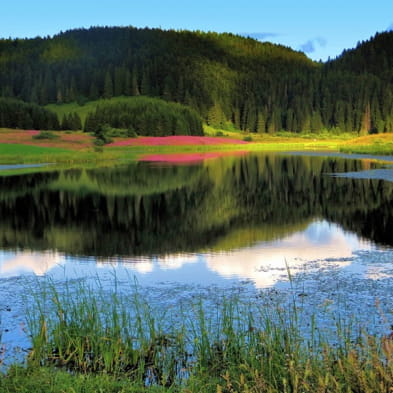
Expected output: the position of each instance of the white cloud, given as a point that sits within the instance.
(312, 45)
(261, 36)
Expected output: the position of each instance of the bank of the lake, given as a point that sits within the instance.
(84, 341)
(78, 149)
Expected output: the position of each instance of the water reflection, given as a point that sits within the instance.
(265, 263)
(25, 262)
(234, 217)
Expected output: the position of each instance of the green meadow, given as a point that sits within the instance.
(11, 149)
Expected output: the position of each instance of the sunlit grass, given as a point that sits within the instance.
(26, 154)
(28, 150)
(77, 149)
(370, 144)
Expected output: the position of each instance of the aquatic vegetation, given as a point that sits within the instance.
(229, 346)
(82, 330)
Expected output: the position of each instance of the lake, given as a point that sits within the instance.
(274, 227)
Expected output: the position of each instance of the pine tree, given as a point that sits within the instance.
(119, 82)
(93, 92)
(145, 84)
(261, 123)
(72, 91)
(65, 123)
(339, 116)
(215, 116)
(76, 123)
(108, 86)
(366, 121)
(128, 83)
(169, 88)
(316, 122)
(134, 83)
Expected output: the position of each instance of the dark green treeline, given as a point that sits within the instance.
(19, 114)
(146, 116)
(259, 87)
(141, 209)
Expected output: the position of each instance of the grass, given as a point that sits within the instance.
(77, 149)
(49, 380)
(282, 136)
(18, 154)
(371, 144)
(52, 152)
(28, 150)
(88, 341)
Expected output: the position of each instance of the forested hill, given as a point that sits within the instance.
(374, 56)
(259, 87)
(362, 81)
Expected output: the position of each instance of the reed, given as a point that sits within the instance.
(83, 330)
(228, 345)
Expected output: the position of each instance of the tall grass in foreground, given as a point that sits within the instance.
(226, 346)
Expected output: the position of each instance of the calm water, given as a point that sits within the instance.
(226, 224)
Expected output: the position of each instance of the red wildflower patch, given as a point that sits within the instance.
(178, 140)
(187, 158)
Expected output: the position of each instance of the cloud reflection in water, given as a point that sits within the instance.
(264, 263)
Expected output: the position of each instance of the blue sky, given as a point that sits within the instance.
(319, 28)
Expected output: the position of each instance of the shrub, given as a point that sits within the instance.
(99, 142)
(116, 132)
(102, 135)
(45, 135)
(131, 133)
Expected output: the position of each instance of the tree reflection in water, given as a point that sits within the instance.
(222, 204)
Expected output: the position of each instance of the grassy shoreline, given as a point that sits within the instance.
(86, 340)
(76, 149)
(81, 152)
(18, 147)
